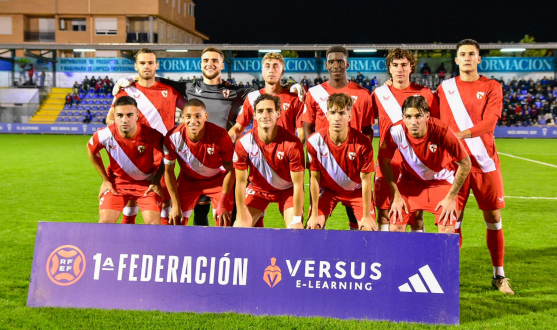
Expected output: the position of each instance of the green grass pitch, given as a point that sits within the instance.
(49, 178)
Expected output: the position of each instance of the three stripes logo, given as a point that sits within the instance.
(419, 286)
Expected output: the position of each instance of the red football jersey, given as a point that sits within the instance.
(156, 104)
(269, 164)
(315, 111)
(429, 159)
(291, 110)
(201, 160)
(464, 105)
(340, 166)
(131, 160)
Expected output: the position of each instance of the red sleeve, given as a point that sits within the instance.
(387, 147)
(226, 147)
(296, 156)
(117, 96)
(366, 157)
(94, 145)
(312, 157)
(309, 110)
(485, 126)
(367, 128)
(298, 106)
(433, 103)
(170, 154)
(453, 145)
(240, 157)
(494, 100)
(245, 117)
(158, 140)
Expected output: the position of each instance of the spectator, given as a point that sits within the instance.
(98, 87)
(512, 119)
(75, 99)
(367, 79)
(86, 84)
(551, 82)
(31, 72)
(76, 87)
(534, 111)
(93, 81)
(305, 83)
(425, 71)
(255, 81)
(181, 80)
(360, 78)
(247, 85)
(68, 100)
(544, 81)
(230, 80)
(325, 78)
(317, 81)
(291, 80)
(441, 71)
(241, 84)
(368, 86)
(522, 84)
(88, 117)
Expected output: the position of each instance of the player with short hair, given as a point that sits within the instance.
(471, 104)
(134, 172)
(275, 159)
(341, 163)
(315, 113)
(428, 181)
(157, 103)
(386, 102)
(204, 152)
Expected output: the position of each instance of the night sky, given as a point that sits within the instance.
(353, 22)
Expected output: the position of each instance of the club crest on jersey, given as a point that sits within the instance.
(140, 148)
(433, 147)
(480, 95)
(280, 155)
(355, 98)
(198, 91)
(226, 92)
(285, 106)
(164, 93)
(210, 151)
(351, 155)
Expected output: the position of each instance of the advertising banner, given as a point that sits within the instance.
(549, 132)
(83, 129)
(403, 277)
(517, 64)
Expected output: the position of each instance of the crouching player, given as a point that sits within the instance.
(428, 181)
(133, 173)
(275, 158)
(341, 164)
(204, 152)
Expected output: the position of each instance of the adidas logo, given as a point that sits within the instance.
(419, 286)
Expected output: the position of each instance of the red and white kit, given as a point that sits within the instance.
(291, 110)
(315, 111)
(340, 168)
(428, 168)
(132, 165)
(387, 103)
(463, 105)
(201, 170)
(269, 168)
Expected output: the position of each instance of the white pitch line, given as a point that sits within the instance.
(523, 197)
(529, 160)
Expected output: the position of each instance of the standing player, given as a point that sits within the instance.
(471, 105)
(292, 109)
(387, 102)
(315, 113)
(275, 158)
(428, 181)
(341, 163)
(134, 172)
(204, 152)
(157, 105)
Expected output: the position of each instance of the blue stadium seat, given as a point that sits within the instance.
(91, 90)
(62, 113)
(94, 107)
(98, 113)
(523, 92)
(66, 119)
(74, 119)
(87, 108)
(66, 106)
(98, 102)
(74, 107)
(542, 122)
(59, 119)
(80, 107)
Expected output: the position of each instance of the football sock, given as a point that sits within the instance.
(416, 230)
(129, 214)
(384, 227)
(164, 215)
(496, 245)
(458, 230)
(200, 215)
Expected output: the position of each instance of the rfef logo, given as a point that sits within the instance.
(65, 265)
(272, 275)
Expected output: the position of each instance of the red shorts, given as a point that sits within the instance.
(487, 188)
(165, 193)
(420, 197)
(190, 191)
(151, 202)
(261, 200)
(328, 200)
(382, 193)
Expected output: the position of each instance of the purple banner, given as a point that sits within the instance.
(83, 129)
(533, 132)
(403, 277)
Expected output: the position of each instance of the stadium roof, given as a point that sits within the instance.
(251, 47)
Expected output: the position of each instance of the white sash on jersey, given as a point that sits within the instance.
(330, 164)
(147, 109)
(320, 96)
(424, 172)
(389, 103)
(260, 163)
(252, 97)
(464, 122)
(193, 163)
(107, 139)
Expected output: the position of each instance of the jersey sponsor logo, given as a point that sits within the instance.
(136, 96)
(404, 147)
(141, 148)
(280, 155)
(386, 97)
(164, 93)
(432, 147)
(198, 91)
(326, 154)
(235, 157)
(501, 199)
(255, 154)
(272, 274)
(226, 92)
(451, 92)
(65, 265)
(210, 151)
(323, 99)
(351, 155)
(480, 95)
(285, 106)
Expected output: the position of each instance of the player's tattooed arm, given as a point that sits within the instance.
(298, 181)
(315, 221)
(448, 204)
(398, 206)
(175, 216)
(240, 194)
(98, 164)
(367, 222)
(235, 132)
